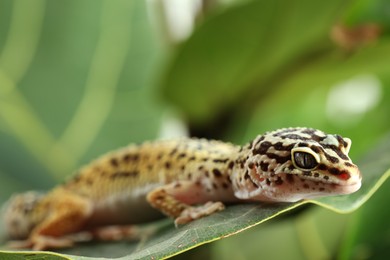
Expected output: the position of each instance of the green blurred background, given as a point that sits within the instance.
(80, 78)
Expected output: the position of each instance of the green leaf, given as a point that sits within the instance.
(35, 255)
(169, 241)
(242, 47)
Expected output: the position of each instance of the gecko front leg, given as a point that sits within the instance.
(175, 200)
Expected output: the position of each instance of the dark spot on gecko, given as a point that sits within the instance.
(318, 138)
(340, 140)
(225, 185)
(251, 165)
(217, 173)
(306, 186)
(279, 159)
(167, 165)
(334, 171)
(336, 150)
(201, 167)
(272, 174)
(294, 137)
(255, 185)
(205, 159)
(231, 165)
(322, 189)
(124, 174)
(159, 156)
(88, 181)
(260, 139)
(215, 186)
(130, 157)
(192, 158)
(279, 181)
(173, 152)
(207, 174)
(159, 198)
(330, 158)
(183, 167)
(189, 176)
(307, 174)
(242, 165)
(220, 160)
(326, 177)
(316, 174)
(280, 147)
(264, 166)
(181, 155)
(114, 162)
(103, 173)
(263, 148)
(76, 178)
(309, 131)
(268, 182)
(315, 149)
(303, 145)
(228, 179)
(290, 178)
(348, 164)
(322, 167)
(126, 158)
(246, 175)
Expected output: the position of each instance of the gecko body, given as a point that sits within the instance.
(185, 179)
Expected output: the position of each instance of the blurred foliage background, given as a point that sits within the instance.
(80, 78)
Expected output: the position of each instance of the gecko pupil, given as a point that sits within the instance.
(305, 160)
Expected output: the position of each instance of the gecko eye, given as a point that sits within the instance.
(304, 158)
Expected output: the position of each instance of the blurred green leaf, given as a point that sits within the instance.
(75, 82)
(238, 50)
(35, 255)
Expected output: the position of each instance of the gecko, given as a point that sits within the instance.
(185, 179)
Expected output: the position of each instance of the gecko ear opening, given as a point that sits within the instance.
(304, 158)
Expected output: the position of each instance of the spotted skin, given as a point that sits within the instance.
(185, 179)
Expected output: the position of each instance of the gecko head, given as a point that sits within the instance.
(19, 216)
(291, 164)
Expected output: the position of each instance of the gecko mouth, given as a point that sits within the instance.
(330, 187)
(347, 188)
